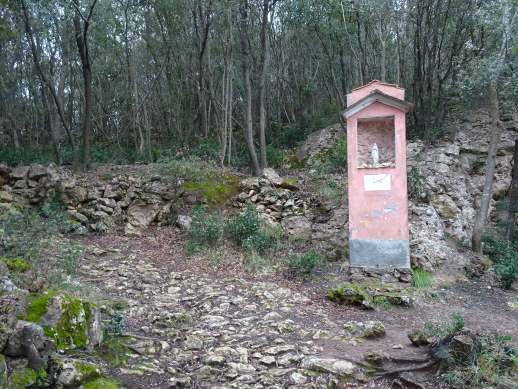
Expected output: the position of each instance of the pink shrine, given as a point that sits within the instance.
(377, 177)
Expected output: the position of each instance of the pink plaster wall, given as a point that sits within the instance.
(361, 92)
(378, 214)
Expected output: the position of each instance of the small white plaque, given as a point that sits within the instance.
(375, 182)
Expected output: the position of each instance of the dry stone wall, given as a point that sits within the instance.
(96, 202)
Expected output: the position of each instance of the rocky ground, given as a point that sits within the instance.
(193, 325)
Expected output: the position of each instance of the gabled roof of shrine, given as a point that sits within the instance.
(376, 82)
(377, 96)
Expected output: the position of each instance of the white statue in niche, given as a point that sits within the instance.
(375, 155)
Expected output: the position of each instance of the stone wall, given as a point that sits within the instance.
(98, 201)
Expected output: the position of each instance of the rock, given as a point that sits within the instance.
(19, 173)
(72, 373)
(36, 172)
(275, 350)
(140, 216)
(297, 226)
(5, 197)
(350, 294)
(3, 372)
(272, 176)
(193, 343)
(184, 222)
(24, 335)
(368, 329)
(418, 338)
(69, 321)
(180, 382)
(329, 365)
(298, 378)
(267, 360)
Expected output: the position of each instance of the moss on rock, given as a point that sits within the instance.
(65, 319)
(16, 265)
(369, 295)
(215, 191)
(102, 383)
(38, 305)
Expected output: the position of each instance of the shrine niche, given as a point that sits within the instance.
(376, 164)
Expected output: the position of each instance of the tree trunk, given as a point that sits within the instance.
(513, 195)
(480, 219)
(249, 135)
(262, 79)
(81, 31)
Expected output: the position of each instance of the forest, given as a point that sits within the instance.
(127, 79)
(294, 194)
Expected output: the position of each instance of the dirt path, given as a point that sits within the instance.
(196, 326)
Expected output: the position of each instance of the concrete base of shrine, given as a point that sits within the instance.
(379, 254)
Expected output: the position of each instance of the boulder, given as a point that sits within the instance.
(298, 226)
(24, 335)
(5, 197)
(140, 216)
(184, 222)
(272, 176)
(329, 365)
(20, 172)
(36, 172)
(69, 321)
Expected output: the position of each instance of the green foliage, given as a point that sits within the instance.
(493, 366)
(441, 330)
(334, 159)
(505, 256)
(17, 265)
(116, 324)
(303, 265)
(114, 350)
(244, 226)
(274, 156)
(421, 278)
(416, 183)
(206, 229)
(286, 137)
(102, 383)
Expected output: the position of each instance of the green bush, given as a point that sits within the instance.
(242, 227)
(275, 156)
(334, 159)
(206, 229)
(415, 183)
(303, 265)
(505, 256)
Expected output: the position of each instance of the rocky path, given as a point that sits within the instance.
(192, 326)
(197, 330)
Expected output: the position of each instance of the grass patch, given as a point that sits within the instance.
(421, 278)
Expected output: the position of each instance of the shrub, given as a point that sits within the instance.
(275, 156)
(334, 159)
(505, 256)
(263, 241)
(415, 183)
(442, 330)
(242, 227)
(206, 229)
(303, 265)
